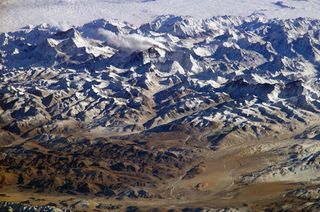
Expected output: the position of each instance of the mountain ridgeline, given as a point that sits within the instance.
(248, 75)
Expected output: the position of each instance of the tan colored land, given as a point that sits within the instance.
(214, 181)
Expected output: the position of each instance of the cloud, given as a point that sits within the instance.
(61, 25)
(128, 42)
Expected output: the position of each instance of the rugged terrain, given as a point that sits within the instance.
(178, 114)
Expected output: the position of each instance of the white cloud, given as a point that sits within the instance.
(128, 42)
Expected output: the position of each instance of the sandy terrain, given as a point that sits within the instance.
(213, 182)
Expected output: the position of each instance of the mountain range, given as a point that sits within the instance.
(115, 110)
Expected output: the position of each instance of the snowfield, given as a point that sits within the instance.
(65, 13)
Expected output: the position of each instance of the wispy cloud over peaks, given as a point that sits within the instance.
(128, 42)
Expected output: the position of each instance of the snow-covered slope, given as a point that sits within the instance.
(244, 77)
